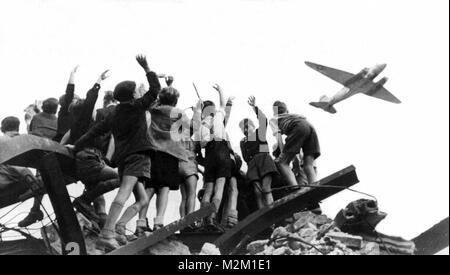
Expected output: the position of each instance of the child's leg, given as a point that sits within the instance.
(161, 205)
(218, 192)
(258, 194)
(133, 210)
(308, 166)
(232, 196)
(191, 188)
(207, 195)
(183, 200)
(285, 169)
(100, 205)
(267, 189)
(128, 183)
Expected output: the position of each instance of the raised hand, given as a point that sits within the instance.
(72, 74)
(252, 101)
(231, 99)
(142, 60)
(169, 80)
(218, 88)
(103, 76)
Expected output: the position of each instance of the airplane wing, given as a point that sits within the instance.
(337, 75)
(384, 94)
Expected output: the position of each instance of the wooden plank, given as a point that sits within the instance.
(433, 240)
(163, 233)
(285, 208)
(69, 228)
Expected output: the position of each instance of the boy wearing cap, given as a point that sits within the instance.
(128, 125)
(300, 135)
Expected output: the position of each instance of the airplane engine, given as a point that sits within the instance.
(382, 81)
(377, 86)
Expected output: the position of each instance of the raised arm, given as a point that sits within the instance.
(81, 125)
(153, 82)
(228, 108)
(69, 94)
(221, 95)
(262, 119)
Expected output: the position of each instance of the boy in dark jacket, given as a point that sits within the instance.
(128, 126)
(255, 151)
(92, 169)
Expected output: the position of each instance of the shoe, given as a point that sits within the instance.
(121, 238)
(157, 226)
(106, 244)
(31, 218)
(141, 230)
(85, 209)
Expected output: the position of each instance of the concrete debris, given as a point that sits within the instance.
(346, 239)
(311, 234)
(209, 249)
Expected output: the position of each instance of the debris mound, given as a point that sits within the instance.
(307, 233)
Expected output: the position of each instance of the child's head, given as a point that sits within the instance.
(247, 126)
(169, 96)
(125, 91)
(10, 124)
(108, 99)
(209, 109)
(50, 106)
(279, 108)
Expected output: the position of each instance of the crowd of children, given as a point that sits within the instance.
(157, 148)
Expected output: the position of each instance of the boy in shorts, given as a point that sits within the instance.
(300, 135)
(255, 150)
(128, 125)
(217, 154)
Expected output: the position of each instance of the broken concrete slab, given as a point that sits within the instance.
(346, 239)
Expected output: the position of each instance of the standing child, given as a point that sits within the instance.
(301, 135)
(217, 154)
(166, 135)
(255, 150)
(128, 125)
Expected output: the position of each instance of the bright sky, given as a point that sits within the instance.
(259, 48)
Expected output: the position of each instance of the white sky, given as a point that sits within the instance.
(259, 48)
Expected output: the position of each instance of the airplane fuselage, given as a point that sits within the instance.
(360, 83)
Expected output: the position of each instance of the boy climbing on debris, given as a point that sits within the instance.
(300, 135)
(128, 125)
(255, 151)
(91, 166)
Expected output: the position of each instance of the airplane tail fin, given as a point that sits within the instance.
(324, 105)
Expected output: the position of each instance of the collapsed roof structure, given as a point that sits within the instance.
(297, 231)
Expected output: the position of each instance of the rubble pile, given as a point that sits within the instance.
(352, 232)
(311, 234)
